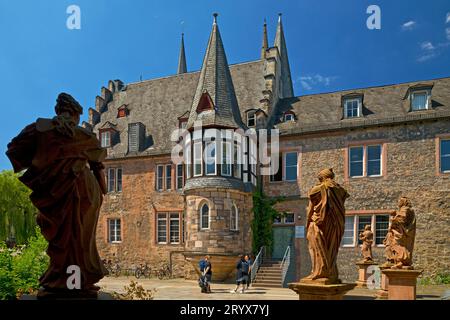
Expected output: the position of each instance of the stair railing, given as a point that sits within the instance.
(257, 263)
(284, 266)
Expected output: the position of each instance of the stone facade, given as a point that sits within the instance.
(320, 134)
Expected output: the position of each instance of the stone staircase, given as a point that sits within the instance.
(269, 274)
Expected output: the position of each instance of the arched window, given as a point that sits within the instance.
(234, 218)
(204, 217)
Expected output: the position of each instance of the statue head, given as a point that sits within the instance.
(326, 174)
(404, 202)
(367, 227)
(67, 106)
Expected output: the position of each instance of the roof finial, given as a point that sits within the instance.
(279, 17)
(215, 14)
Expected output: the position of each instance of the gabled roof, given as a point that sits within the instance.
(215, 81)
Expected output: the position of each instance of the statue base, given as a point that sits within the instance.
(401, 283)
(320, 290)
(363, 275)
(382, 293)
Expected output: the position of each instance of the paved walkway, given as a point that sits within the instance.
(180, 289)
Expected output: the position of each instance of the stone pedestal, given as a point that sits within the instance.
(363, 275)
(382, 293)
(312, 290)
(402, 283)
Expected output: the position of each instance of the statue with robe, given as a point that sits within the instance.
(400, 237)
(325, 227)
(367, 240)
(64, 170)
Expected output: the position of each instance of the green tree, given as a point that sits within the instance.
(263, 216)
(17, 213)
(21, 267)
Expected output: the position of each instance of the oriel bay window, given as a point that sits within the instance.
(210, 158)
(226, 158)
(198, 163)
(366, 160)
(168, 228)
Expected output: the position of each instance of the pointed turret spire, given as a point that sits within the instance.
(280, 43)
(265, 43)
(215, 102)
(182, 58)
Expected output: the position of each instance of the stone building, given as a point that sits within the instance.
(382, 142)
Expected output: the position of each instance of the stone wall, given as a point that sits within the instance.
(137, 206)
(410, 169)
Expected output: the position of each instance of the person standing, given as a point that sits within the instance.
(207, 273)
(250, 265)
(242, 268)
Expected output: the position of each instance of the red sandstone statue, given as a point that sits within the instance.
(400, 238)
(325, 227)
(64, 170)
(366, 249)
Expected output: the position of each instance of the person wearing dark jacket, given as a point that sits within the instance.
(242, 268)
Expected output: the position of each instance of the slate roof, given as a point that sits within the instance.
(216, 81)
(381, 105)
(158, 103)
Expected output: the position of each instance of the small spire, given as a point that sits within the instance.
(265, 44)
(215, 14)
(280, 43)
(182, 58)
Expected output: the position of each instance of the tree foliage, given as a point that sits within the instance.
(263, 216)
(17, 213)
(21, 267)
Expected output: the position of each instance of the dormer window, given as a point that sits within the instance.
(122, 111)
(288, 116)
(105, 138)
(419, 100)
(251, 118)
(352, 107)
(182, 123)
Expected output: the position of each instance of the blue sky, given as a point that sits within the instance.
(330, 47)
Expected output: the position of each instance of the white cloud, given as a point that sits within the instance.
(447, 20)
(410, 25)
(427, 57)
(310, 81)
(427, 45)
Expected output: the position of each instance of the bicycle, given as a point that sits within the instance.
(113, 269)
(143, 270)
(163, 272)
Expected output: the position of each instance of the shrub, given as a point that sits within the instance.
(21, 268)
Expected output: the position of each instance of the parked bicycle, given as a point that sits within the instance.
(143, 270)
(114, 269)
(163, 272)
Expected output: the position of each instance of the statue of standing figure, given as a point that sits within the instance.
(64, 170)
(325, 227)
(400, 237)
(366, 249)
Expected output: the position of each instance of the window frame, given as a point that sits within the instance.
(359, 107)
(168, 178)
(201, 216)
(251, 116)
(197, 158)
(236, 218)
(356, 221)
(365, 160)
(207, 158)
(227, 159)
(167, 225)
(159, 177)
(286, 115)
(440, 156)
(179, 185)
(116, 187)
(284, 168)
(116, 234)
(105, 133)
(417, 92)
